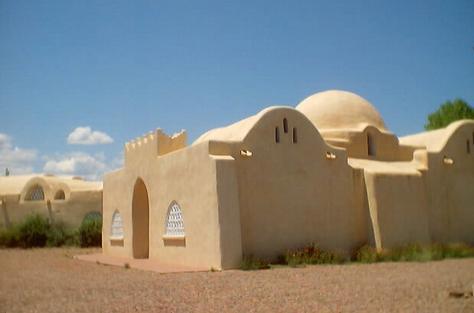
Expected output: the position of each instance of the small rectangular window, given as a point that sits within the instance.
(285, 125)
(295, 136)
(277, 135)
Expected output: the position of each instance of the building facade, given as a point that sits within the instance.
(327, 172)
(61, 199)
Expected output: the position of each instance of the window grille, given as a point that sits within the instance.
(174, 220)
(117, 225)
(35, 193)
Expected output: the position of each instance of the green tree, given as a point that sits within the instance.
(449, 112)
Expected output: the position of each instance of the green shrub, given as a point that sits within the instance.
(90, 232)
(36, 231)
(437, 252)
(414, 252)
(458, 250)
(10, 237)
(59, 235)
(312, 254)
(33, 232)
(250, 263)
(367, 254)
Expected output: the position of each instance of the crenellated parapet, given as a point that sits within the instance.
(153, 144)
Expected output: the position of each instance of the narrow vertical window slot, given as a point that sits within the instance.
(370, 145)
(468, 147)
(295, 135)
(285, 125)
(277, 134)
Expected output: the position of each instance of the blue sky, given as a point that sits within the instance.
(123, 68)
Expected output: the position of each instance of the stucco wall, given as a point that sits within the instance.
(71, 211)
(291, 194)
(187, 176)
(451, 188)
(385, 145)
(397, 205)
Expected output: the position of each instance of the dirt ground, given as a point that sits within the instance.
(50, 280)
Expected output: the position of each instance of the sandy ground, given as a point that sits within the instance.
(50, 280)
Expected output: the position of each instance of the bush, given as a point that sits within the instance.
(37, 231)
(10, 237)
(90, 232)
(250, 263)
(59, 235)
(458, 250)
(414, 252)
(367, 254)
(33, 232)
(312, 254)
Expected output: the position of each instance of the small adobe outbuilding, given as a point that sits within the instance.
(328, 172)
(60, 199)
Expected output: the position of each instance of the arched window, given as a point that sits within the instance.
(35, 193)
(60, 195)
(277, 134)
(117, 226)
(174, 220)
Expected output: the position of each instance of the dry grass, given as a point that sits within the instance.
(49, 280)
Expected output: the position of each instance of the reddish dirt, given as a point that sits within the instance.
(50, 280)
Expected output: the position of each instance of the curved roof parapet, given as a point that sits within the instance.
(434, 140)
(337, 109)
(236, 131)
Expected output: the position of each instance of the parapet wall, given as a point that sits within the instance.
(153, 144)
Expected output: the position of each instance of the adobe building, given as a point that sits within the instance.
(60, 199)
(328, 172)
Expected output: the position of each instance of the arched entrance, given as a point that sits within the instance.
(140, 220)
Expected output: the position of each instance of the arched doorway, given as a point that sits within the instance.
(140, 220)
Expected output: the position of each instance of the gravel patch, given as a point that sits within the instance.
(50, 280)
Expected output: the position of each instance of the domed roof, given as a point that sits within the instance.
(337, 109)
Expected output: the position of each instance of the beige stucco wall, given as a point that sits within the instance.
(398, 210)
(385, 145)
(451, 188)
(291, 194)
(71, 211)
(187, 176)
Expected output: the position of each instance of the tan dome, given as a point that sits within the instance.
(336, 109)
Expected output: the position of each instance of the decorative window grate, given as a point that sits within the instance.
(174, 220)
(117, 225)
(36, 193)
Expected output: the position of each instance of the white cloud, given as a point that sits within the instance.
(18, 161)
(91, 167)
(86, 136)
(77, 164)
